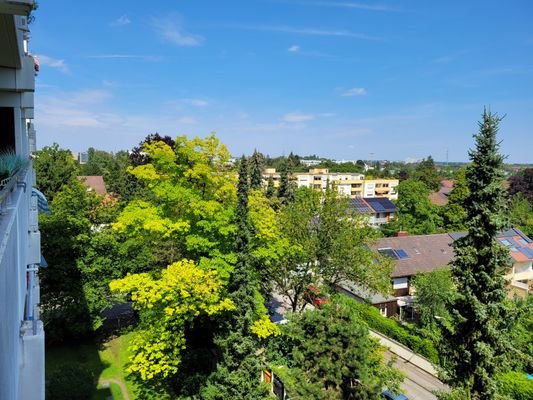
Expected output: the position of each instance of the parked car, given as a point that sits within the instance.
(387, 395)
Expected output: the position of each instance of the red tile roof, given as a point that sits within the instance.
(94, 182)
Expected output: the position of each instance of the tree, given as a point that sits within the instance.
(284, 190)
(416, 214)
(477, 344)
(167, 306)
(98, 163)
(330, 355)
(188, 208)
(522, 183)
(238, 367)
(434, 294)
(521, 211)
(65, 234)
(427, 173)
(256, 170)
(316, 239)
(54, 167)
(453, 213)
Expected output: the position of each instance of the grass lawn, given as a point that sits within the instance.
(107, 361)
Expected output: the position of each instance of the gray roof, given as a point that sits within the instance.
(425, 253)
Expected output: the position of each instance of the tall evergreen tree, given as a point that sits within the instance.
(477, 344)
(236, 376)
(270, 189)
(284, 190)
(256, 170)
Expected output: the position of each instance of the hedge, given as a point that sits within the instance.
(392, 329)
(516, 385)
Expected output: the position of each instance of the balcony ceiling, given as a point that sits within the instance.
(9, 50)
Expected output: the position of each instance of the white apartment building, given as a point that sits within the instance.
(349, 184)
(21, 331)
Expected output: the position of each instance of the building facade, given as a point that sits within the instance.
(21, 331)
(347, 183)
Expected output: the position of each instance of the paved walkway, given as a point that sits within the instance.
(120, 384)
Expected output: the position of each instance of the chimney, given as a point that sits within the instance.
(402, 234)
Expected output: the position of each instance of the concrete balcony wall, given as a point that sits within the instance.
(18, 80)
(14, 213)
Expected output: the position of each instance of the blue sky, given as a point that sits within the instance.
(342, 79)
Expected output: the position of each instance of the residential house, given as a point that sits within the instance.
(425, 253)
(379, 210)
(440, 198)
(94, 183)
(21, 330)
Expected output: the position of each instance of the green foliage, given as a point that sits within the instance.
(453, 213)
(415, 214)
(256, 170)
(522, 335)
(65, 234)
(10, 164)
(427, 173)
(521, 211)
(73, 380)
(54, 167)
(435, 292)
(167, 305)
(188, 210)
(478, 343)
(329, 355)
(390, 328)
(516, 385)
(315, 239)
(284, 189)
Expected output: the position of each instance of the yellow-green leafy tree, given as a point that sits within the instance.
(188, 208)
(167, 305)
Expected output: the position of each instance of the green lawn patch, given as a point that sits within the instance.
(96, 362)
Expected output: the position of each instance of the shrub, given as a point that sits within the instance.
(516, 385)
(392, 329)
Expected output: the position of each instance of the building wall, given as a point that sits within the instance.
(21, 332)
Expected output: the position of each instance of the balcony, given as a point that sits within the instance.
(16, 7)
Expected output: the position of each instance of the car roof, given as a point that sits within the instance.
(399, 396)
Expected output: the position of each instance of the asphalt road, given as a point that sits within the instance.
(418, 384)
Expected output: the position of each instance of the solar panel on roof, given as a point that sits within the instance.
(388, 253)
(359, 205)
(527, 251)
(402, 254)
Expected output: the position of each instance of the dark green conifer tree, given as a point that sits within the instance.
(238, 371)
(256, 170)
(284, 190)
(270, 190)
(478, 340)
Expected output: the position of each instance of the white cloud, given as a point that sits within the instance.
(89, 96)
(121, 21)
(355, 92)
(53, 62)
(170, 29)
(294, 49)
(297, 117)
